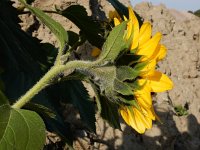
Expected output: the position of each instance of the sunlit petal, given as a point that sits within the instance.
(159, 82)
(125, 114)
(116, 21)
(135, 23)
(162, 53)
(143, 96)
(148, 69)
(145, 33)
(149, 47)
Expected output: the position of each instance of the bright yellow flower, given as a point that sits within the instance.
(140, 118)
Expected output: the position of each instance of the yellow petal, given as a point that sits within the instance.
(132, 120)
(148, 112)
(162, 53)
(135, 23)
(125, 19)
(137, 119)
(159, 53)
(142, 122)
(133, 18)
(159, 82)
(148, 69)
(145, 33)
(143, 96)
(137, 122)
(149, 47)
(125, 115)
(129, 30)
(95, 52)
(116, 21)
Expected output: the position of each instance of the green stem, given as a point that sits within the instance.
(44, 81)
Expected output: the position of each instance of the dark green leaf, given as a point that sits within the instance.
(110, 113)
(73, 38)
(40, 109)
(91, 29)
(74, 92)
(21, 57)
(54, 26)
(20, 129)
(3, 99)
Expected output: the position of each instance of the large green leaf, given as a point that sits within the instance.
(20, 129)
(91, 29)
(54, 26)
(114, 44)
(21, 58)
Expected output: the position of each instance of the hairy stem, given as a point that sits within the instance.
(44, 81)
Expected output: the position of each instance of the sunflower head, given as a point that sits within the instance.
(149, 51)
(134, 76)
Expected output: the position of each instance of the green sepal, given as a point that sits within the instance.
(114, 44)
(128, 102)
(140, 66)
(122, 88)
(126, 73)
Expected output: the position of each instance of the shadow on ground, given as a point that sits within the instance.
(168, 138)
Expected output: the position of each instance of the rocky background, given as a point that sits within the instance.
(178, 109)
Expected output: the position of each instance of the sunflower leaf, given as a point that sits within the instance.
(20, 129)
(91, 29)
(54, 26)
(110, 113)
(21, 58)
(73, 91)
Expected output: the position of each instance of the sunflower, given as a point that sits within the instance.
(140, 117)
